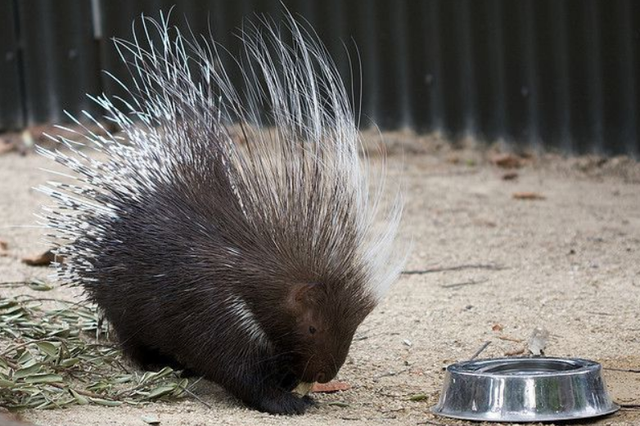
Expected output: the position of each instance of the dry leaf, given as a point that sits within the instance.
(497, 327)
(4, 248)
(528, 196)
(330, 387)
(151, 420)
(510, 176)
(43, 259)
(303, 388)
(538, 341)
(507, 161)
(515, 352)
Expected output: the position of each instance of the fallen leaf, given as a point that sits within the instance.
(105, 402)
(339, 404)
(528, 196)
(497, 327)
(43, 378)
(44, 259)
(81, 400)
(330, 387)
(4, 248)
(538, 341)
(453, 159)
(515, 352)
(510, 176)
(507, 161)
(510, 339)
(417, 372)
(485, 222)
(303, 388)
(418, 397)
(38, 285)
(151, 420)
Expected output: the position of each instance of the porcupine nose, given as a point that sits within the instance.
(321, 377)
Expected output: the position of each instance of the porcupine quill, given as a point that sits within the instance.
(248, 262)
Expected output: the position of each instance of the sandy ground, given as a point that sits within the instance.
(569, 263)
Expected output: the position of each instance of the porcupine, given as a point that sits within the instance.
(235, 230)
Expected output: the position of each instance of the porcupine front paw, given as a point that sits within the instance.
(278, 401)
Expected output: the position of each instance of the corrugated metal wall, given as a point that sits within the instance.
(557, 73)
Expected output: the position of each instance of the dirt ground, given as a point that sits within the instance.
(569, 263)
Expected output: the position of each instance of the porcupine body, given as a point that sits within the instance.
(250, 263)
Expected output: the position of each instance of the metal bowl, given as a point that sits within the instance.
(524, 390)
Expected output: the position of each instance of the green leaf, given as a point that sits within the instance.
(180, 387)
(81, 400)
(25, 359)
(151, 420)
(13, 333)
(11, 308)
(64, 333)
(45, 404)
(105, 402)
(161, 391)
(418, 397)
(7, 384)
(69, 362)
(38, 285)
(28, 371)
(49, 348)
(13, 317)
(126, 378)
(43, 378)
(5, 303)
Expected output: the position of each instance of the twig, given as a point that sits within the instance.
(630, 406)
(430, 422)
(464, 283)
(510, 339)
(624, 370)
(82, 392)
(391, 373)
(480, 350)
(197, 398)
(14, 283)
(490, 267)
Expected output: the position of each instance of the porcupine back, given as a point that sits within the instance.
(201, 228)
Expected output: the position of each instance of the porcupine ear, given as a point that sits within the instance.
(300, 296)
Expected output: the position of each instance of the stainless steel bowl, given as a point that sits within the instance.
(524, 390)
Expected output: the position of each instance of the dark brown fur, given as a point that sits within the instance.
(165, 288)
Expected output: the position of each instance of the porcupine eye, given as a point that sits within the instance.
(312, 329)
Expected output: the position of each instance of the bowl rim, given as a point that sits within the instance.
(582, 366)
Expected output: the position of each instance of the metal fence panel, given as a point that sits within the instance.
(60, 58)
(555, 73)
(11, 107)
